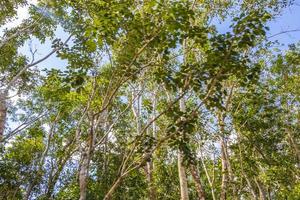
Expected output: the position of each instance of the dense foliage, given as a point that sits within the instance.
(153, 101)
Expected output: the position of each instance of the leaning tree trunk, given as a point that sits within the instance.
(196, 177)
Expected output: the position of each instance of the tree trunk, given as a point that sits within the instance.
(181, 168)
(85, 164)
(209, 179)
(3, 111)
(230, 173)
(224, 172)
(262, 192)
(227, 173)
(150, 164)
(151, 187)
(112, 189)
(83, 175)
(182, 178)
(196, 177)
(224, 183)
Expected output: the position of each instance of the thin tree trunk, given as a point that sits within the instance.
(224, 183)
(224, 172)
(42, 159)
(227, 173)
(196, 177)
(230, 173)
(108, 195)
(209, 179)
(181, 168)
(85, 164)
(182, 178)
(151, 187)
(150, 164)
(83, 175)
(3, 111)
(262, 192)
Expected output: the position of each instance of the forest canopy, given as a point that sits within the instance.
(148, 99)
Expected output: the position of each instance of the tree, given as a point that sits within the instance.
(153, 103)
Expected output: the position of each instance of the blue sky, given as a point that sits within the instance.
(288, 20)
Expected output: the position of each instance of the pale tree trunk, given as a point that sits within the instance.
(150, 164)
(224, 173)
(254, 196)
(209, 179)
(83, 175)
(151, 187)
(3, 111)
(181, 168)
(137, 110)
(227, 173)
(85, 164)
(224, 183)
(182, 178)
(230, 173)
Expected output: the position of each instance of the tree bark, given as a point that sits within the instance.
(224, 172)
(224, 183)
(85, 164)
(196, 177)
(181, 168)
(150, 164)
(83, 175)
(3, 112)
(209, 179)
(182, 178)
(113, 188)
(151, 187)
(227, 173)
